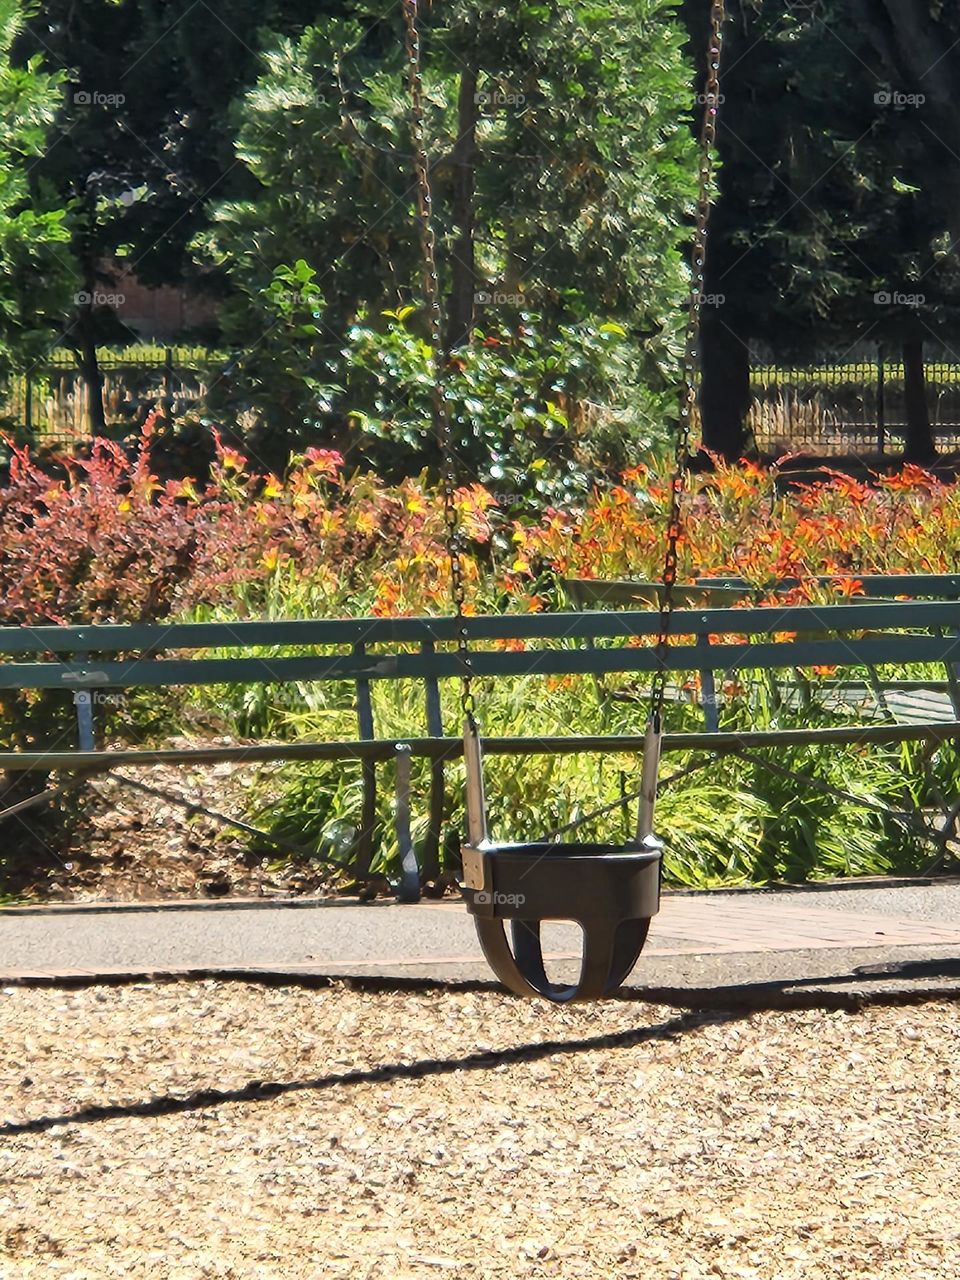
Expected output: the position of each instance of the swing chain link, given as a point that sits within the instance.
(691, 355)
(438, 356)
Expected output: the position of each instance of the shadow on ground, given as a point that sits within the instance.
(265, 1091)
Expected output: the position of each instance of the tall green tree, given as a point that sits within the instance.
(909, 54)
(789, 213)
(562, 168)
(917, 44)
(325, 230)
(36, 277)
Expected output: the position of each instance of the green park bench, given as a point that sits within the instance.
(856, 637)
(917, 701)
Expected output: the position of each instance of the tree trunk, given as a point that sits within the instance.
(920, 445)
(85, 350)
(724, 388)
(460, 307)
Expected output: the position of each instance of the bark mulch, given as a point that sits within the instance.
(466, 1134)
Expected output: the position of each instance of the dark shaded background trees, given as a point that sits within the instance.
(234, 147)
(141, 145)
(829, 199)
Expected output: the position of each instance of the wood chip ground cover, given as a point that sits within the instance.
(630, 1143)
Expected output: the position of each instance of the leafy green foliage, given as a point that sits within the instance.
(35, 272)
(585, 164)
(580, 171)
(327, 216)
(519, 402)
(140, 146)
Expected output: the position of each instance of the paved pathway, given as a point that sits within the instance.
(704, 939)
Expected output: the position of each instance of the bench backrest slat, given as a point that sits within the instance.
(157, 638)
(160, 673)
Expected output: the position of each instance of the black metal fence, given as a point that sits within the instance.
(832, 406)
(52, 401)
(854, 407)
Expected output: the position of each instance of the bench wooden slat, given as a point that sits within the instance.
(885, 586)
(917, 708)
(153, 638)
(584, 593)
(161, 673)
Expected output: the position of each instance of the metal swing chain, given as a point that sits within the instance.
(688, 397)
(431, 290)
